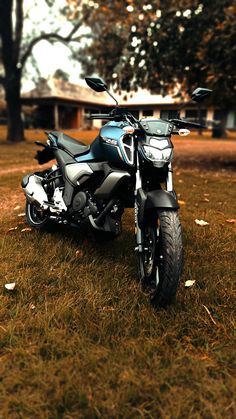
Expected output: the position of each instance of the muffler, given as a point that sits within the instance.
(34, 191)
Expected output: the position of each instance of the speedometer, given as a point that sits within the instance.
(156, 127)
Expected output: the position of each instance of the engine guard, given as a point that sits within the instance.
(158, 199)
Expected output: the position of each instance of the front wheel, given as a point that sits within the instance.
(161, 262)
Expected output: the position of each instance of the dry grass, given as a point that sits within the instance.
(79, 338)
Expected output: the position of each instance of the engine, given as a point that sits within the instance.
(83, 205)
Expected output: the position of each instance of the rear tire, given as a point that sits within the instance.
(161, 263)
(36, 218)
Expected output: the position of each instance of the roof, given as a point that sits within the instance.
(63, 90)
(60, 89)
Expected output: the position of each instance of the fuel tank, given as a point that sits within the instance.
(117, 144)
(112, 144)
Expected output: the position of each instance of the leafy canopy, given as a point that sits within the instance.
(164, 44)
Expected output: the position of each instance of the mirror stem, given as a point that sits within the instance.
(117, 104)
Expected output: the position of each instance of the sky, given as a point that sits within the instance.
(48, 57)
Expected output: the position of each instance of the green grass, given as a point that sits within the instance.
(78, 338)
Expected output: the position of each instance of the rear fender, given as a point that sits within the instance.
(45, 155)
(157, 199)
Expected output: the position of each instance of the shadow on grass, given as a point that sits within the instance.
(121, 247)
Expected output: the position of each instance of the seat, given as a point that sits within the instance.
(69, 144)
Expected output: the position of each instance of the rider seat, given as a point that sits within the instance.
(69, 144)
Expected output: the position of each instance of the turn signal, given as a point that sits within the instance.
(128, 129)
(183, 132)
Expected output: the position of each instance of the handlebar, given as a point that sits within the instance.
(181, 123)
(100, 116)
(119, 114)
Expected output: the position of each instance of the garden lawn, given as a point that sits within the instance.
(78, 337)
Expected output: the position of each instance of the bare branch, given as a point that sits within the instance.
(18, 29)
(51, 37)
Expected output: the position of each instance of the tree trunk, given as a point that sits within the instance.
(219, 131)
(15, 129)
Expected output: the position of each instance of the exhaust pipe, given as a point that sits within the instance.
(34, 191)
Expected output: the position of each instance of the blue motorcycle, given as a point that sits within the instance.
(128, 165)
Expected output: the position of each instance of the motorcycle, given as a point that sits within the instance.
(128, 165)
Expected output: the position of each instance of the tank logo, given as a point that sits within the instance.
(158, 131)
(109, 141)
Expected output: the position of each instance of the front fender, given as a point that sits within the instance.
(158, 199)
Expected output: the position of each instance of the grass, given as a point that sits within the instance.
(78, 338)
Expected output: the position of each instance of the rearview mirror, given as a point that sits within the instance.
(200, 93)
(96, 84)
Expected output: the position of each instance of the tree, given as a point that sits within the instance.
(161, 45)
(15, 49)
(61, 75)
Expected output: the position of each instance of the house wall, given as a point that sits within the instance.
(75, 116)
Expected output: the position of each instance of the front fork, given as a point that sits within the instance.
(138, 231)
(138, 185)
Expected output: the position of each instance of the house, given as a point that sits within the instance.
(55, 104)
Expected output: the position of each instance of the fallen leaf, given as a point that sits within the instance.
(180, 181)
(189, 283)
(181, 202)
(206, 194)
(10, 286)
(201, 222)
(108, 308)
(22, 214)
(32, 306)
(79, 253)
(231, 220)
(17, 207)
(204, 358)
(26, 229)
(206, 200)
(12, 229)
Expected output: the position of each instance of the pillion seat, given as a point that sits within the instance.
(67, 143)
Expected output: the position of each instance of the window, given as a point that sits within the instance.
(194, 115)
(148, 112)
(168, 114)
(135, 113)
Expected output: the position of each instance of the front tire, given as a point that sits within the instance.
(161, 262)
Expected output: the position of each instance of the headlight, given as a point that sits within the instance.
(161, 155)
(160, 144)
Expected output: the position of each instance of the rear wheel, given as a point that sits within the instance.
(35, 216)
(161, 262)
